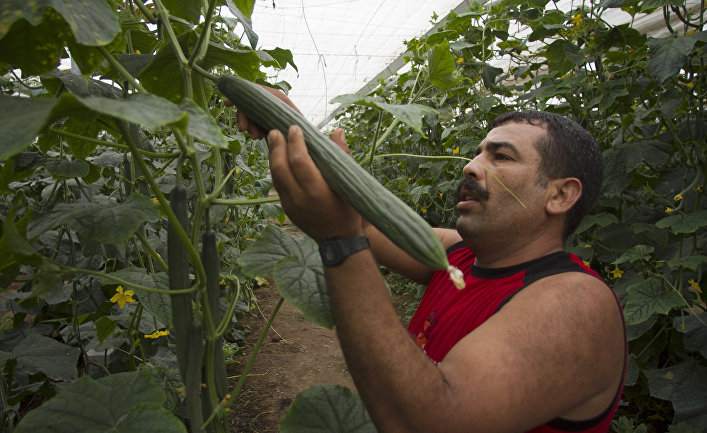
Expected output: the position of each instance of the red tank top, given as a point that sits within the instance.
(446, 315)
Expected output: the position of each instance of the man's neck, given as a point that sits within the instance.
(512, 254)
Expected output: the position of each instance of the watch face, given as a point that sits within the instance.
(329, 252)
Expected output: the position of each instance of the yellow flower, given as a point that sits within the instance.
(695, 285)
(678, 197)
(226, 220)
(586, 263)
(423, 210)
(669, 210)
(155, 201)
(460, 59)
(157, 334)
(456, 150)
(181, 390)
(577, 19)
(634, 106)
(122, 298)
(137, 51)
(441, 195)
(587, 245)
(617, 273)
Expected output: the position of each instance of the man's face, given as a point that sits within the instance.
(507, 156)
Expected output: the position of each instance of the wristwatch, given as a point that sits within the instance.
(335, 251)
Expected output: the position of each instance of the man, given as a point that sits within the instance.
(536, 340)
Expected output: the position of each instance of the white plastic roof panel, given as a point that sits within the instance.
(342, 46)
(339, 45)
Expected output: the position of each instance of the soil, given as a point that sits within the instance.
(295, 355)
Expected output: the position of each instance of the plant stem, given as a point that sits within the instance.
(256, 349)
(203, 44)
(245, 201)
(121, 281)
(111, 144)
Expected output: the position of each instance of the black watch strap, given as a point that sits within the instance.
(335, 251)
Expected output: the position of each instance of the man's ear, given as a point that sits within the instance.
(562, 195)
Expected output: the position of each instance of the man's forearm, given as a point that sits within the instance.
(385, 363)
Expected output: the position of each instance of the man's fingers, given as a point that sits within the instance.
(282, 177)
(339, 137)
(303, 168)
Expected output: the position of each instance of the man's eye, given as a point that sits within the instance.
(502, 156)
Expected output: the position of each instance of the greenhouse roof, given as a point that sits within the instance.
(345, 46)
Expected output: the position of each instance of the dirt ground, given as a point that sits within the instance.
(295, 355)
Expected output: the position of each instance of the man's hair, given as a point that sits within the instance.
(567, 150)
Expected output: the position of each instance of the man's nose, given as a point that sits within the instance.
(474, 169)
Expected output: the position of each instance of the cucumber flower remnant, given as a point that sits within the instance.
(122, 297)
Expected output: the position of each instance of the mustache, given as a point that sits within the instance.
(474, 188)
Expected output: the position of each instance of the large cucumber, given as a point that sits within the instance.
(356, 186)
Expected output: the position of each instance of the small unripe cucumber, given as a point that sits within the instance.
(179, 277)
(350, 181)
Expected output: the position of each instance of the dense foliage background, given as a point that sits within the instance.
(93, 159)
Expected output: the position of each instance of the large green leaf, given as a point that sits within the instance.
(63, 169)
(120, 403)
(639, 252)
(91, 21)
(244, 20)
(37, 353)
(667, 55)
(158, 304)
(327, 409)
(684, 223)
(187, 9)
(301, 281)
(441, 67)
(22, 119)
(202, 126)
(685, 385)
(102, 222)
(649, 297)
(163, 75)
(695, 328)
(410, 114)
(33, 34)
(297, 269)
(142, 109)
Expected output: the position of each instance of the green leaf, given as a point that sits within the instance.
(689, 262)
(685, 385)
(14, 246)
(601, 220)
(648, 297)
(37, 353)
(92, 22)
(104, 328)
(202, 126)
(120, 403)
(160, 76)
(695, 329)
(441, 67)
(410, 114)
(301, 281)
(102, 222)
(35, 49)
(684, 223)
(158, 304)
(22, 120)
(242, 14)
(295, 264)
(63, 169)
(639, 252)
(668, 55)
(282, 58)
(327, 409)
(142, 109)
(188, 9)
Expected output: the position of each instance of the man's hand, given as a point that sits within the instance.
(305, 196)
(246, 124)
